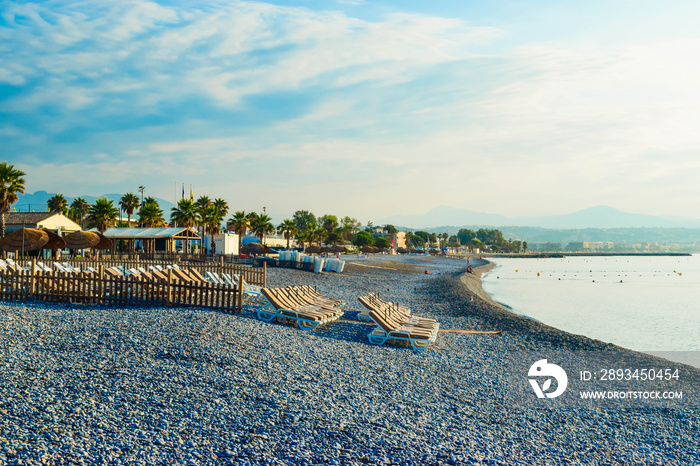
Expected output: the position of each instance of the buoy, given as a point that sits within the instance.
(538, 274)
(426, 272)
(516, 270)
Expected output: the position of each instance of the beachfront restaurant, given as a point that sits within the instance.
(167, 240)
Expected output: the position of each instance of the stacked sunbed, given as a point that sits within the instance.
(395, 323)
(299, 305)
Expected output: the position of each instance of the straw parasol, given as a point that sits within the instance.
(313, 249)
(55, 241)
(369, 249)
(24, 239)
(81, 240)
(255, 248)
(105, 243)
(336, 248)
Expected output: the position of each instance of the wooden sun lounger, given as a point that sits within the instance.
(372, 302)
(419, 335)
(281, 305)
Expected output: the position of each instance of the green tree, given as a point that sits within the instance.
(262, 225)
(151, 200)
(381, 242)
(103, 214)
(151, 216)
(79, 209)
(57, 203)
(239, 224)
(185, 214)
(11, 186)
(363, 238)
(304, 220)
(329, 223)
(465, 235)
(129, 202)
(390, 229)
(211, 220)
(288, 229)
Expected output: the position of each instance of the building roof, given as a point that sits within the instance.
(50, 220)
(27, 218)
(150, 233)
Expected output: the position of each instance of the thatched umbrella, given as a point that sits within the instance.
(369, 249)
(313, 249)
(326, 250)
(255, 249)
(55, 241)
(402, 250)
(105, 243)
(24, 239)
(82, 240)
(335, 248)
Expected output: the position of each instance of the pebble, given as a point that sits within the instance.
(188, 386)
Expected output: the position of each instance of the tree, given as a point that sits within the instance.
(151, 216)
(390, 229)
(381, 242)
(239, 223)
(304, 220)
(363, 238)
(465, 235)
(316, 235)
(80, 208)
(11, 186)
(349, 226)
(211, 220)
(103, 214)
(185, 214)
(222, 206)
(288, 229)
(329, 223)
(261, 225)
(369, 227)
(151, 200)
(57, 203)
(129, 202)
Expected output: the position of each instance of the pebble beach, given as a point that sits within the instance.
(100, 385)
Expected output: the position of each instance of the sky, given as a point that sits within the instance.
(358, 107)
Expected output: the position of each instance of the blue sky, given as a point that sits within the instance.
(358, 107)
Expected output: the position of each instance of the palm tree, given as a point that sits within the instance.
(103, 214)
(151, 200)
(11, 186)
(80, 207)
(288, 228)
(261, 225)
(57, 203)
(318, 234)
(211, 220)
(239, 224)
(129, 202)
(222, 206)
(185, 214)
(151, 216)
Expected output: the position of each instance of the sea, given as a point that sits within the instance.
(644, 303)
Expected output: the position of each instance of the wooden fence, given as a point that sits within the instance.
(101, 289)
(251, 275)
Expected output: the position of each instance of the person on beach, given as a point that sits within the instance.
(470, 269)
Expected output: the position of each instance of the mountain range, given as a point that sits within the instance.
(594, 217)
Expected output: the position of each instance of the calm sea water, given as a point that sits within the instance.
(643, 303)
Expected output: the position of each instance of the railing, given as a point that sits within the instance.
(251, 275)
(97, 288)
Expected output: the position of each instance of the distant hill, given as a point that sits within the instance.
(594, 217)
(37, 201)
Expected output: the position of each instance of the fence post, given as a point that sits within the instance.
(170, 289)
(265, 274)
(101, 283)
(32, 286)
(240, 294)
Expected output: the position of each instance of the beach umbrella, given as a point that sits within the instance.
(369, 249)
(249, 239)
(82, 240)
(313, 249)
(335, 248)
(105, 243)
(55, 240)
(326, 250)
(255, 248)
(24, 239)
